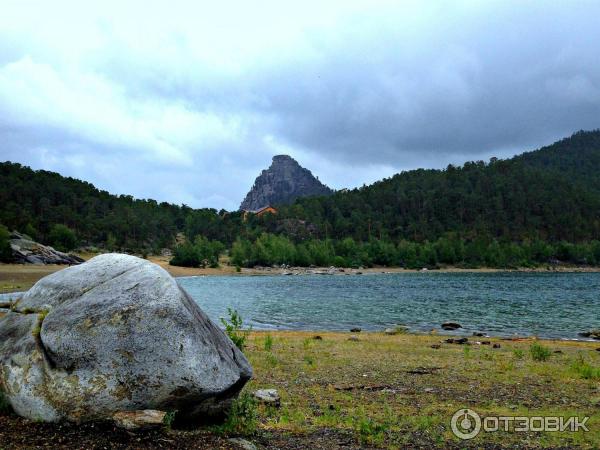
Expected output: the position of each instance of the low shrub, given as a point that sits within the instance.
(201, 253)
(62, 238)
(234, 328)
(539, 352)
(243, 416)
(169, 419)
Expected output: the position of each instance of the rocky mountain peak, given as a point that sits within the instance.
(283, 182)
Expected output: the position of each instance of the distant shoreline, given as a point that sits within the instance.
(445, 336)
(20, 277)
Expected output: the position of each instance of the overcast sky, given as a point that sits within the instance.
(187, 101)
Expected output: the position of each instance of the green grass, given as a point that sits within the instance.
(365, 388)
(370, 431)
(38, 328)
(585, 370)
(518, 353)
(309, 360)
(272, 360)
(539, 352)
(268, 343)
(467, 351)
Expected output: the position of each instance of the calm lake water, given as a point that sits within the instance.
(548, 305)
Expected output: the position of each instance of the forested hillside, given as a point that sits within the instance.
(537, 207)
(550, 194)
(576, 158)
(34, 201)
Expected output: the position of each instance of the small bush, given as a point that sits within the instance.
(539, 352)
(268, 343)
(234, 328)
(338, 261)
(243, 416)
(62, 238)
(200, 253)
(169, 418)
(185, 255)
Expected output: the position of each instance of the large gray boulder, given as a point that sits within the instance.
(115, 334)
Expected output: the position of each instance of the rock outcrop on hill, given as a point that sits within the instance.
(115, 334)
(26, 251)
(282, 183)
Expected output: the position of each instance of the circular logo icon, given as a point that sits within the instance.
(465, 424)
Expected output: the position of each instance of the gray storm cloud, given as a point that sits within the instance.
(186, 102)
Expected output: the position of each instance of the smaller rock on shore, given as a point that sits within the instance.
(26, 251)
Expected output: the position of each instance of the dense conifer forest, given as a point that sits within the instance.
(538, 208)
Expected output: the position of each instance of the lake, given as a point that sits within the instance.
(549, 305)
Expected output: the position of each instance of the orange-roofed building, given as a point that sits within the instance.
(259, 212)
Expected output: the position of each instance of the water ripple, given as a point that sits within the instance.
(542, 304)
